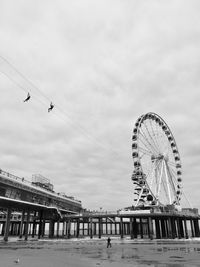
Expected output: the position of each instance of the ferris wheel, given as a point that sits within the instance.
(157, 165)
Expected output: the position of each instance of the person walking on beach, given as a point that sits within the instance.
(109, 242)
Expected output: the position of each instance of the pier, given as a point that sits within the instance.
(29, 209)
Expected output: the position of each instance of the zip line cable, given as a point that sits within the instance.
(33, 86)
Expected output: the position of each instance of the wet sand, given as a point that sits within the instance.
(90, 253)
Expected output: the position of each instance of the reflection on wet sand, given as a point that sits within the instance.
(89, 252)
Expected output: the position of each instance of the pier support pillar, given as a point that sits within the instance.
(196, 227)
(91, 233)
(131, 228)
(173, 225)
(27, 224)
(121, 228)
(58, 229)
(34, 225)
(21, 224)
(181, 228)
(63, 228)
(141, 228)
(77, 227)
(135, 228)
(169, 228)
(69, 229)
(40, 224)
(100, 227)
(51, 228)
(7, 226)
(192, 227)
(3, 228)
(157, 226)
(150, 228)
(163, 230)
(186, 230)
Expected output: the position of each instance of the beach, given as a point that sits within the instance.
(88, 253)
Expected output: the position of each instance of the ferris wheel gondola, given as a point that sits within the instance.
(156, 160)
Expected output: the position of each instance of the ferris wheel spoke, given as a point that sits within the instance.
(155, 134)
(172, 163)
(172, 180)
(153, 149)
(154, 167)
(155, 145)
(153, 142)
(167, 177)
(145, 151)
(143, 141)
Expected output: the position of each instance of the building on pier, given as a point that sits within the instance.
(23, 203)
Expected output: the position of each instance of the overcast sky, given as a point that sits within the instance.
(103, 63)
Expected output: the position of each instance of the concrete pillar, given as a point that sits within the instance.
(106, 225)
(185, 226)
(3, 228)
(181, 228)
(131, 228)
(21, 224)
(141, 228)
(150, 228)
(163, 230)
(91, 233)
(68, 229)
(157, 226)
(135, 228)
(196, 227)
(88, 227)
(63, 228)
(27, 224)
(40, 224)
(121, 228)
(192, 227)
(169, 228)
(51, 228)
(100, 227)
(43, 227)
(173, 225)
(77, 227)
(7, 225)
(58, 228)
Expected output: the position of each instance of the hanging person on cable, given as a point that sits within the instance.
(51, 107)
(27, 98)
